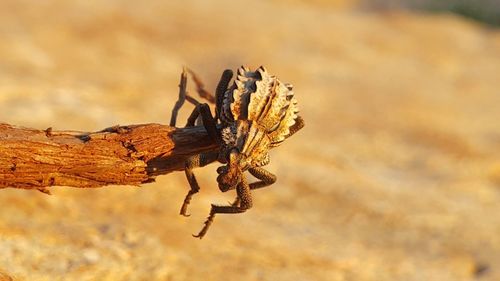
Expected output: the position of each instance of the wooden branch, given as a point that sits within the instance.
(120, 155)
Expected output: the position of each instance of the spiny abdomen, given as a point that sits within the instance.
(262, 98)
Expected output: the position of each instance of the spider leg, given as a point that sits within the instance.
(202, 92)
(200, 88)
(184, 96)
(221, 89)
(209, 122)
(181, 99)
(192, 162)
(245, 203)
(266, 178)
(200, 160)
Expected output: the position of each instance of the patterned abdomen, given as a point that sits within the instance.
(264, 101)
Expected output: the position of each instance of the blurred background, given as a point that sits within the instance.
(396, 175)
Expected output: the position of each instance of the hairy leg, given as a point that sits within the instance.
(221, 89)
(196, 161)
(266, 178)
(244, 200)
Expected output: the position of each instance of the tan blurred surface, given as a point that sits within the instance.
(395, 177)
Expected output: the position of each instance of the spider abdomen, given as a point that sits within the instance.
(250, 139)
(265, 102)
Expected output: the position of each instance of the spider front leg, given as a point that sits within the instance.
(180, 100)
(192, 162)
(200, 88)
(245, 202)
(219, 91)
(209, 122)
(266, 179)
(183, 95)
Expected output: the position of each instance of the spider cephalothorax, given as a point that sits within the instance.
(257, 112)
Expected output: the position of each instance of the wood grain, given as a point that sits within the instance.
(119, 155)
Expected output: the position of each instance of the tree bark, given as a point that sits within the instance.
(120, 155)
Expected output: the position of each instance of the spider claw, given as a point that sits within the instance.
(197, 236)
(202, 232)
(184, 212)
(207, 224)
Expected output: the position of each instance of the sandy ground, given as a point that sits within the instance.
(395, 177)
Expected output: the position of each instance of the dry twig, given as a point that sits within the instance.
(120, 155)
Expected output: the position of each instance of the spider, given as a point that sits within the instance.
(256, 113)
